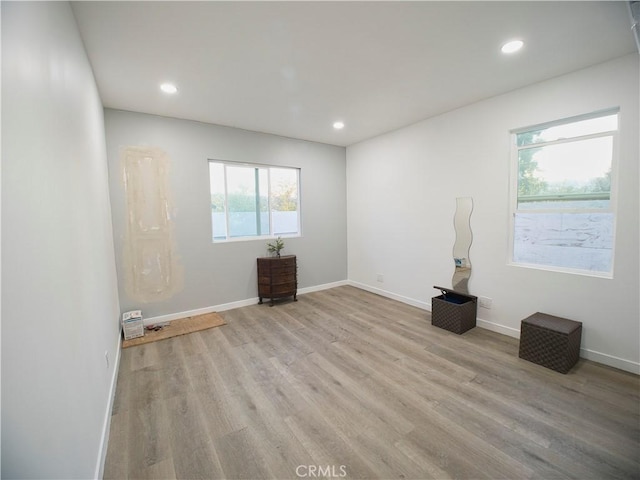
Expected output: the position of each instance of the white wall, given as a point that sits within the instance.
(402, 188)
(59, 294)
(219, 274)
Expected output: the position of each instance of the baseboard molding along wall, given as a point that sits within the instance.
(611, 361)
(231, 305)
(324, 286)
(409, 301)
(106, 426)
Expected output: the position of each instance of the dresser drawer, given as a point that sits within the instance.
(283, 289)
(277, 264)
(277, 271)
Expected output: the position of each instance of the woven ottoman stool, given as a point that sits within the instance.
(454, 311)
(552, 342)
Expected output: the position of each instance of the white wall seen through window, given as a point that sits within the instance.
(249, 200)
(562, 208)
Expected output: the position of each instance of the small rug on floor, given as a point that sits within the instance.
(181, 326)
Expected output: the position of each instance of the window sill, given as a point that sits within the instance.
(571, 271)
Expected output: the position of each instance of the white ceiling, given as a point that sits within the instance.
(293, 68)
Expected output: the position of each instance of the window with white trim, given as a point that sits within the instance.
(563, 209)
(250, 200)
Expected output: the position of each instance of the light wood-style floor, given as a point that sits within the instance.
(349, 384)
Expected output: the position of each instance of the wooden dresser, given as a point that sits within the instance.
(277, 278)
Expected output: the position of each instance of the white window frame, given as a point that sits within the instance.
(613, 195)
(269, 235)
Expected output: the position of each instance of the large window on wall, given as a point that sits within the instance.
(563, 208)
(249, 200)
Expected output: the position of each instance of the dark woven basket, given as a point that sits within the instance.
(552, 342)
(454, 312)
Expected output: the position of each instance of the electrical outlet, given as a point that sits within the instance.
(380, 278)
(106, 357)
(485, 302)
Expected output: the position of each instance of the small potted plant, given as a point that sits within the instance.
(275, 247)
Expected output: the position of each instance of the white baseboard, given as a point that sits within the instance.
(496, 327)
(106, 426)
(393, 296)
(324, 286)
(611, 361)
(199, 311)
(231, 305)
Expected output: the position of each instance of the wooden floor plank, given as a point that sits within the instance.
(240, 457)
(365, 387)
(326, 446)
(193, 452)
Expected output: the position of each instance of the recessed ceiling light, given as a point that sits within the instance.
(338, 125)
(168, 88)
(512, 46)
